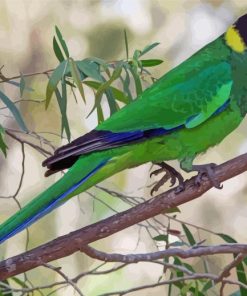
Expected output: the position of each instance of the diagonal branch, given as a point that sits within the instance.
(75, 241)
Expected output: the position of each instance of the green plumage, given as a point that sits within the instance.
(197, 104)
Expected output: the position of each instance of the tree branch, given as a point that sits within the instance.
(75, 241)
(196, 251)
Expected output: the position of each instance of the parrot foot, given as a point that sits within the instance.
(208, 170)
(170, 174)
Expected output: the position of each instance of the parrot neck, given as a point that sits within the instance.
(239, 76)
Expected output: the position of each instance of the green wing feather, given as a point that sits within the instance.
(182, 96)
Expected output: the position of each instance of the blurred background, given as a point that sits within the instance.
(95, 28)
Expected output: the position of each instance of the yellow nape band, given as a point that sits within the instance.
(234, 40)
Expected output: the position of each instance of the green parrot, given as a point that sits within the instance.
(191, 108)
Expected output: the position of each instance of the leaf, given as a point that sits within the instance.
(173, 210)
(227, 238)
(118, 94)
(19, 282)
(17, 84)
(100, 114)
(137, 80)
(3, 146)
(177, 244)
(63, 109)
(189, 235)
(61, 70)
(116, 73)
(22, 85)
(151, 62)
(209, 284)
(76, 77)
(161, 237)
(148, 48)
(90, 69)
(126, 45)
(11, 106)
(241, 275)
(57, 50)
(62, 42)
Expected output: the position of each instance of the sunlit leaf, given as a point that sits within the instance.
(12, 108)
(61, 70)
(76, 77)
(148, 48)
(57, 50)
(62, 42)
(189, 235)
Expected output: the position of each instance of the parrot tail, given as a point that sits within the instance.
(77, 179)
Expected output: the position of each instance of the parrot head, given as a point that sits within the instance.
(236, 35)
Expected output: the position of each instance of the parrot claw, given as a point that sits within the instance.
(170, 174)
(208, 170)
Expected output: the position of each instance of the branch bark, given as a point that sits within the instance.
(74, 241)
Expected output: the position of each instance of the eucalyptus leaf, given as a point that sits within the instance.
(148, 48)
(118, 94)
(12, 108)
(189, 235)
(76, 77)
(3, 146)
(151, 62)
(62, 42)
(61, 70)
(57, 50)
(22, 85)
(90, 69)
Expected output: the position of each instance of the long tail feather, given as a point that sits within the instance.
(51, 198)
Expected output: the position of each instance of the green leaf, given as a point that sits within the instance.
(161, 237)
(227, 238)
(63, 109)
(61, 70)
(11, 106)
(209, 284)
(62, 42)
(241, 275)
(3, 146)
(148, 48)
(57, 50)
(189, 235)
(137, 81)
(19, 282)
(90, 69)
(126, 45)
(151, 62)
(22, 85)
(100, 114)
(102, 89)
(173, 210)
(76, 77)
(177, 244)
(118, 94)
